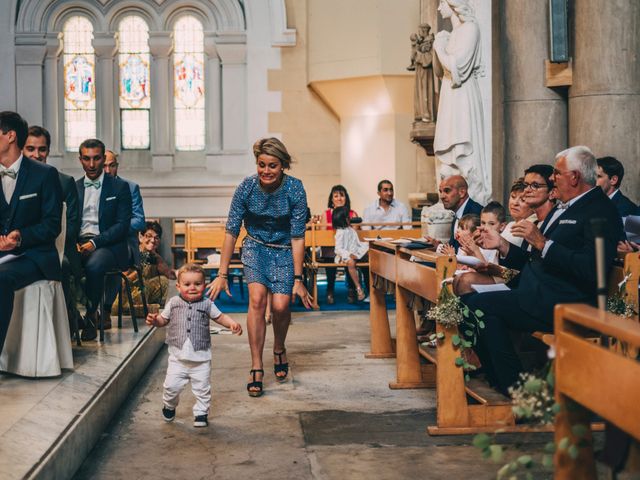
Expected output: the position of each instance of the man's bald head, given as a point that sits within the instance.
(453, 192)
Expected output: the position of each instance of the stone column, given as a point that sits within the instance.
(30, 51)
(604, 101)
(535, 117)
(53, 114)
(213, 110)
(234, 85)
(105, 47)
(161, 47)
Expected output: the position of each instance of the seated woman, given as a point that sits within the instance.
(338, 197)
(155, 272)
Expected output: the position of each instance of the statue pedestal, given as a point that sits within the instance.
(423, 133)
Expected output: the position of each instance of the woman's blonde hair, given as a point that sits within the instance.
(274, 147)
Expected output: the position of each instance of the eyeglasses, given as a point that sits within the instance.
(535, 186)
(150, 236)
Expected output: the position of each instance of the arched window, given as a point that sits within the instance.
(188, 68)
(79, 82)
(133, 61)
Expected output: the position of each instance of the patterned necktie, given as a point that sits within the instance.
(94, 183)
(8, 173)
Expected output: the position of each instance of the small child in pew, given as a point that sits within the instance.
(467, 225)
(189, 340)
(349, 249)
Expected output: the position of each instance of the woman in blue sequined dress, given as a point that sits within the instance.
(273, 207)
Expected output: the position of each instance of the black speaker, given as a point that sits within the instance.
(558, 31)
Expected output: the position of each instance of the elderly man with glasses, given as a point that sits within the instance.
(560, 266)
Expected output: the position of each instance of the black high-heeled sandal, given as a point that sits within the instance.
(281, 367)
(255, 384)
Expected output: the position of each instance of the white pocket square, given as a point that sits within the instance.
(30, 195)
(110, 198)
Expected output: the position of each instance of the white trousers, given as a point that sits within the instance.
(179, 372)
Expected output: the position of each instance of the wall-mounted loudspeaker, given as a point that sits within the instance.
(558, 31)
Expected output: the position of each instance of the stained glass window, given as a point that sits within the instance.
(188, 78)
(79, 82)
(133, 60)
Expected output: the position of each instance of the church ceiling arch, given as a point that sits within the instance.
(49, 15)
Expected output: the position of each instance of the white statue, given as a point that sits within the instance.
(459, 143)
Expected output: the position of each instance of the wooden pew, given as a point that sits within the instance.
(321, 236)
(462, 408)
(593, 378)
(207, 234)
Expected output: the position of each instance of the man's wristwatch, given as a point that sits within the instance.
(297, 277)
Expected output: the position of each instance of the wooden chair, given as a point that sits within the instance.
(592, 378)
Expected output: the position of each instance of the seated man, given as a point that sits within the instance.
(560, 268)
(454, 195)
(30, 217)
(610, 175)
(106, 215)
(37, 148)
(386, 209)
(111, 165)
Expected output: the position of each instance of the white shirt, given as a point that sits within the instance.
(348, 243)
(187, 353)
(90, 208)
(459, 214)
(397, 213)
(8, 183)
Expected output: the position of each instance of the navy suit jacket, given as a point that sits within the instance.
(70, 197)
(567, 273)
(625, 206)
(114, 216)
(36, 211)
(471, 207)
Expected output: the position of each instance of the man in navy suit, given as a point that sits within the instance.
(454, 195)
(610, 175)
(30, 217)
(111, 165)
(37, 148)
(106, 214)
(559, 268)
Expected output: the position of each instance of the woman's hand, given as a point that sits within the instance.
(301, 291)
(446, 249)
(218, 285)
(466, 242)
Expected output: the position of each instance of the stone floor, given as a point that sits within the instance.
(335, 419)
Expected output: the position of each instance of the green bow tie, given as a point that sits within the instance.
(94, 183)
(9, 173)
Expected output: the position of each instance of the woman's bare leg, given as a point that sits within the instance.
(256, 327)
(281, 320)
(353, 273)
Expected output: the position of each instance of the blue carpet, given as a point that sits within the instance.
(238, 304)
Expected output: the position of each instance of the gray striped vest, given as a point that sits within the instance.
(189, 320)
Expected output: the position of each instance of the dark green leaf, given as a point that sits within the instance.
(468, 333)
(496, 453)
(440, 335)
(556, 408)
(482, 440)
(455, 339)
(533, 385)
(467, 378)
(525, 460)
(564, 443)
(479, 313)
(573, 452)
(547, 461)
(550, 447)
(459, 362)
(579, 430)
(480, 324)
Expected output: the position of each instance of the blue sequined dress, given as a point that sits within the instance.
(271, 219)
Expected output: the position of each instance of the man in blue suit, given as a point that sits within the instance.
(610, 175)
(454, 195)
(105, 204)
(30, 217)
(111, 165)
(37, 148)
(559, 268)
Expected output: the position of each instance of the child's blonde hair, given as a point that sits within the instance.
(470, 222)
(191, 267)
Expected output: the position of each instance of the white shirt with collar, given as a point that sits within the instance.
(555, 216)
(459, 214)
(613, 194)
(396, 213)
(90, 208)
(8, 183)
